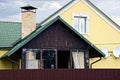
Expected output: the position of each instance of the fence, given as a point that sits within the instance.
(61, 74)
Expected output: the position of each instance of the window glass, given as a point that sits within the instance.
(78, 59)
(32, 58)
(52, 59)
(80, 24)
(48, 57)
(76, 24)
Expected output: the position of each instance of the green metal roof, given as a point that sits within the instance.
(42, 28)
(10, 33)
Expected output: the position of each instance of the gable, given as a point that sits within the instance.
(57, 36)
(99, 30)
(43, 28)
(88, 4)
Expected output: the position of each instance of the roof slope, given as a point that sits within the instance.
(10, 33)
(39, 30)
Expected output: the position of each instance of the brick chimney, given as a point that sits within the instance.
(28, 20)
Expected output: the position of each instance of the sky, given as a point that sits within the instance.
(10, 9)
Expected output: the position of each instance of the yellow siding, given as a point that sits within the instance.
(3, 51)
(5, 64)
(100, 33)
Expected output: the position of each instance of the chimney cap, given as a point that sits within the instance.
(28, 7)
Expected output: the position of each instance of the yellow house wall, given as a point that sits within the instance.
(100, 33)
(5, 64)
(3, 51)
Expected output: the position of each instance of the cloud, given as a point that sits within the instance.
(13, 18)
(111, 7)
(50, 5)
(54, 5)
(11, 9)
(116, 19)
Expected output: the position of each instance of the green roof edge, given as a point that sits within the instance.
(39, 30)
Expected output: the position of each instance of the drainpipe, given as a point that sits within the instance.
(95, 62)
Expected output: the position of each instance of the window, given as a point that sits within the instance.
(48, 58)
(80, 23)
(32, 58)
(52, 59)
(39, 59)
(78, 59)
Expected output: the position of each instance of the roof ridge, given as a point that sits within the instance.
(9, 22)
(13, 22)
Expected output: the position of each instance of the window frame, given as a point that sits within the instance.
(81, 16)
(40, 60)
(40, 63)
(24, 60)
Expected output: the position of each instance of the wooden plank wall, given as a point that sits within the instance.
(61, 74)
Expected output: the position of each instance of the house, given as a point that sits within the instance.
(59, 41)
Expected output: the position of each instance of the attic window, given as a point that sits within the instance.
(80, 23)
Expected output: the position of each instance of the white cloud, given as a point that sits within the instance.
(13, 18)
(10, 10)
(111, 7)
(54, 5)
(20, 3)
(116, 19)
(50, 5)
(47, 8)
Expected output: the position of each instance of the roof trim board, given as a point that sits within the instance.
(91, 6)
(39, 30)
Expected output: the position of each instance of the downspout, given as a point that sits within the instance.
(95, 62)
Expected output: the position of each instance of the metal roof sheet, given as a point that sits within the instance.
(10, 33)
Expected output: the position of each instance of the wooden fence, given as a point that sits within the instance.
(61, 74)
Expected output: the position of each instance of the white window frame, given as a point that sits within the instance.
(87, 21)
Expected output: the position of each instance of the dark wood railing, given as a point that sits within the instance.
(61, 74)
